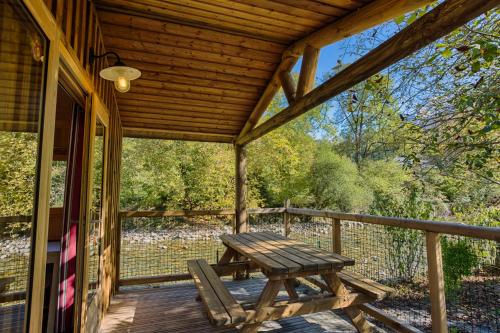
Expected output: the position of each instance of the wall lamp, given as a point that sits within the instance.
(119, 73)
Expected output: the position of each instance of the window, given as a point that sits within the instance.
(22, 63)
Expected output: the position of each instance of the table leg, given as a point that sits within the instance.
(267, 298)
(356, 315)
(290, 288)
(227, 256)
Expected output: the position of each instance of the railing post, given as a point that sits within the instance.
(118, 246)
(336, 236)
(241, 189)
(436, 283)
(286, 218)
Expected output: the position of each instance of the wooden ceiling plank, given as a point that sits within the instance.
(199, 82)
(272, 14)
(185, 53)
(190, 114)
(190, 96)
(316, 7)
(132, 103)
(196, 129)
(245, 17)
(196, 89)
(156, 25)
(188, 119)
(213, 15)
(175, 135)
(136, 33)
(346, 4)
(197, 74)
(440, 21)
(282, 8)
(182, 101)
(208, 19)
(180, 122)
(201, 65)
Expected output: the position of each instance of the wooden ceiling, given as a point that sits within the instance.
(204, 63)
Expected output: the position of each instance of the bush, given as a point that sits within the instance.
(459, 260)
(336, 183)
(406, 248)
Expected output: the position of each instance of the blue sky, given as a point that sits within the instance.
(328, 57)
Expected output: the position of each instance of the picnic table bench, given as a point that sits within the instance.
(283, 261)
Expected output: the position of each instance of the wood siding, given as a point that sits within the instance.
(81, 31)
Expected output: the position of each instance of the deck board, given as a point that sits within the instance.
(174, 309)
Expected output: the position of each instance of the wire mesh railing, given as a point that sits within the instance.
(14, 258)
(154, 246)
(392, 253)
(397, 257)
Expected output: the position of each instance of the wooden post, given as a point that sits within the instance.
(118, 247)
(336, 236)
(288, 85)
(497, 257)
(436, 283)
(241, 189)
(307, 71)
(286, 218)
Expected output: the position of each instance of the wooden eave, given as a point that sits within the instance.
(205, 65)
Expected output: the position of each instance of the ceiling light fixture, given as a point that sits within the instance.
(119, 73)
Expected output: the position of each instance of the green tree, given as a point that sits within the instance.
(336, 183)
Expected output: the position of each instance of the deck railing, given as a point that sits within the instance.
(404, 253)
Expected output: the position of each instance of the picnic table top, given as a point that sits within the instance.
(281, 256)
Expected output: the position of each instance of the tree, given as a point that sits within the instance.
(336, 183)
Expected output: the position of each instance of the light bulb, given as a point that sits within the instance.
(122, 84)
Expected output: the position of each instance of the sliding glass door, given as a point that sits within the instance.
(23, 54)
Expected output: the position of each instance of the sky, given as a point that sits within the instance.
(328, 57)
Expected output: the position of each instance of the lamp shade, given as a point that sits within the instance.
(114, 72)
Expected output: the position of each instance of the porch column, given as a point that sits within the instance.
(241, 189)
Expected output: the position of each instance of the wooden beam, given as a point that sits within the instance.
(283, 310)
(368, 16)
(288, 85)
(307, 71)
(436, 283)
(440, 21)
(133, 132)
(391, 321)
(241, 189)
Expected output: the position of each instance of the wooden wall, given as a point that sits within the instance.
(81, 31)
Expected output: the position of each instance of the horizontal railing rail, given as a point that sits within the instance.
(14, 219)
(450, 228)
(191, 213)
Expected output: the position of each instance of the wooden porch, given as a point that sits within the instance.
(209, 73)
(173, 308)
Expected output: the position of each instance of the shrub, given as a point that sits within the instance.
(405, 252)
(459, 260)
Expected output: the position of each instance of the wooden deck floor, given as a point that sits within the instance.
(174, 309)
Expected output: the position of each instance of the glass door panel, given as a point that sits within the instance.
(23, 51)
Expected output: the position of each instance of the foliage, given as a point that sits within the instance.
(406, 246)
(459, 260)
(336, 183)
(17, 178)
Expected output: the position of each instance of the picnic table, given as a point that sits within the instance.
(283, 261)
